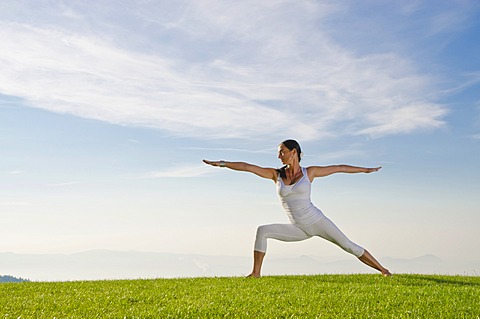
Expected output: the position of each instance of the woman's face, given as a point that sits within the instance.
(285, 155)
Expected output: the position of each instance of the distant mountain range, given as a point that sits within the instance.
(11, 279)
(107, 264)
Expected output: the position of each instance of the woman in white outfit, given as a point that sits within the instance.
(294, 189)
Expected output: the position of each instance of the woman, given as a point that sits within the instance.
(294, 188)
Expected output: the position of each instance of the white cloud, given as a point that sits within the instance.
(448, 21)
(16, 172)
(230, 149)
(404, 120)
(64, 184)
(14, 204)
(186, 171)
(243, 70)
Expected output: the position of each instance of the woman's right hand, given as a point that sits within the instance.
(213, 163)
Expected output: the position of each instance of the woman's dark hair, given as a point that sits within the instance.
(291, 145)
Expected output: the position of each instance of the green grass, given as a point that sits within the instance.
(322, 296)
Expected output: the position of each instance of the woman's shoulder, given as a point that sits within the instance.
(313, 172)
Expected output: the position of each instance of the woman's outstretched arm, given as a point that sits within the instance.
(321, 171)
(265, 172)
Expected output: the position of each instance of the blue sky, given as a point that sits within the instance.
(107, 110)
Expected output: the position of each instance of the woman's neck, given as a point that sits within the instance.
(293, 168)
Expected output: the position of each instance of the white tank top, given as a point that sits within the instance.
(296, 200)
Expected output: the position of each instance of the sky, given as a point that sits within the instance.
(108, 108)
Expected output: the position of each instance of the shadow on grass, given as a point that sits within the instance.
(403, 279)
(443, 280)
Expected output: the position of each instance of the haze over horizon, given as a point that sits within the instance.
(107, 264)
(108, 108)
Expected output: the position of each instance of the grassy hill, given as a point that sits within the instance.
(320, 296)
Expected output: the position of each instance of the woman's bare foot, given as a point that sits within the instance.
(252, 275)
(369, 260)
(386, 273)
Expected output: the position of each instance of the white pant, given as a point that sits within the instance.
(324, 228)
